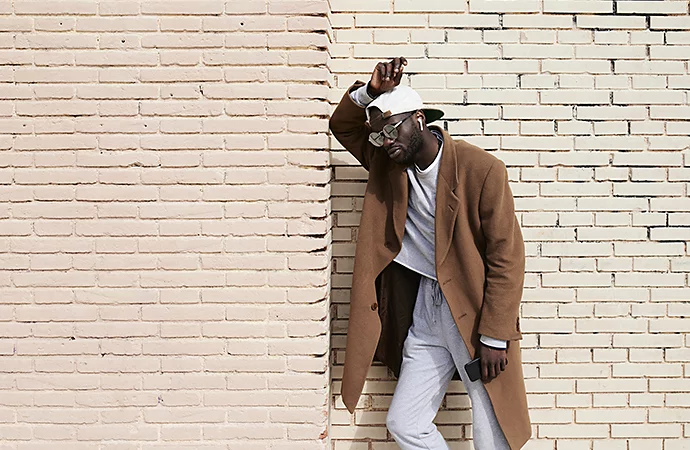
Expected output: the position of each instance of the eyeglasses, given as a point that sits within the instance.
(389, 131)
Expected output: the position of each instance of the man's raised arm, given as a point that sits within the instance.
(349, 121)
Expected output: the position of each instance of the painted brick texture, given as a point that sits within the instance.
(168, 248)
(164, 225)
(587, 103)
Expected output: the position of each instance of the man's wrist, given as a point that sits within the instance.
(371, 92)
(496, 344)
(493, 348)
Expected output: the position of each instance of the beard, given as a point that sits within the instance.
(413, 147)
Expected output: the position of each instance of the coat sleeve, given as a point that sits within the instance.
(504, 257)
(348, 124)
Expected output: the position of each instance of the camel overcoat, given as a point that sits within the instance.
(480, 263)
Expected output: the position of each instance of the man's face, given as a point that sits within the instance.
(405, 148)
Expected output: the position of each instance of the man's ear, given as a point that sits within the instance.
(419, 115)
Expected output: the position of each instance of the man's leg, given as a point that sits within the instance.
(486, 431)
(426, 371)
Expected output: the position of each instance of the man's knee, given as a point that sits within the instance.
(406, 427)
(398, 424)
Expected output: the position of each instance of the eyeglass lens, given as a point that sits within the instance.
(389, 131)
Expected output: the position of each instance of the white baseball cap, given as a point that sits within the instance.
(402, 99)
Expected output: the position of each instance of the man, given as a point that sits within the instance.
(439, 268)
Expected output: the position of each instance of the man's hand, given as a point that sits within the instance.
(493, 362)
(386, 76)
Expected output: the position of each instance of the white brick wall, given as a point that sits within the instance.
(164, 225)
(587, 103)
(168, 247)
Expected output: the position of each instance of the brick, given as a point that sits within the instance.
(578, 6)
(670, 22)
(567, 189)
(56, 7)
(649, 430)
(656, 67)
(607, 22)
(507, 96)
(536, 21)
(643, 159)
(114, 24)
(529, 51)
(504, 6)
(647, 97)
(391, 21)
(538, 36)
(605, 416)
(507, 66)
(592, 66)
(573, 96)
(117, 58)
(432, 6)
(677, 37)
(574, 36)
(180, 7)
(537, 112)
(617, 52)
(473, 51)
(576, 279)
(574, 431)
(652, 7)
(646, 341)
(307, 23)
(428, 36)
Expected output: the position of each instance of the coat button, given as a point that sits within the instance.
(374, 306)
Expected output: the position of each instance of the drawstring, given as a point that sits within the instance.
(433, 290)
(437, 295)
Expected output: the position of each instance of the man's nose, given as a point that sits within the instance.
(387, 142)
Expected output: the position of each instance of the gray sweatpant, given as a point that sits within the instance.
(431, 352)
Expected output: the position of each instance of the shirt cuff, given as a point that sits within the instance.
(361, 97)
(491, 342)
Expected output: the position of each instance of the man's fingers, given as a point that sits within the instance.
(485, 370)
(381, 70)
(398, 64)
(398, 77)
(389, 71)
(376, 74)
(401, 61)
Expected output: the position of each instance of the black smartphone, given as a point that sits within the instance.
(474, 369)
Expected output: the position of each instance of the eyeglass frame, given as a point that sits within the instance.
(388, 131)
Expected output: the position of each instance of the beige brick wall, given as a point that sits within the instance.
(164, 225)
(587, 103)
(166, 231)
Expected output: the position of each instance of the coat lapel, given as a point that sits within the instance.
(447, 203)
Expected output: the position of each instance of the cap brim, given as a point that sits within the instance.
(432, 114)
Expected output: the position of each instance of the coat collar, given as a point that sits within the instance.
(449, 160)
